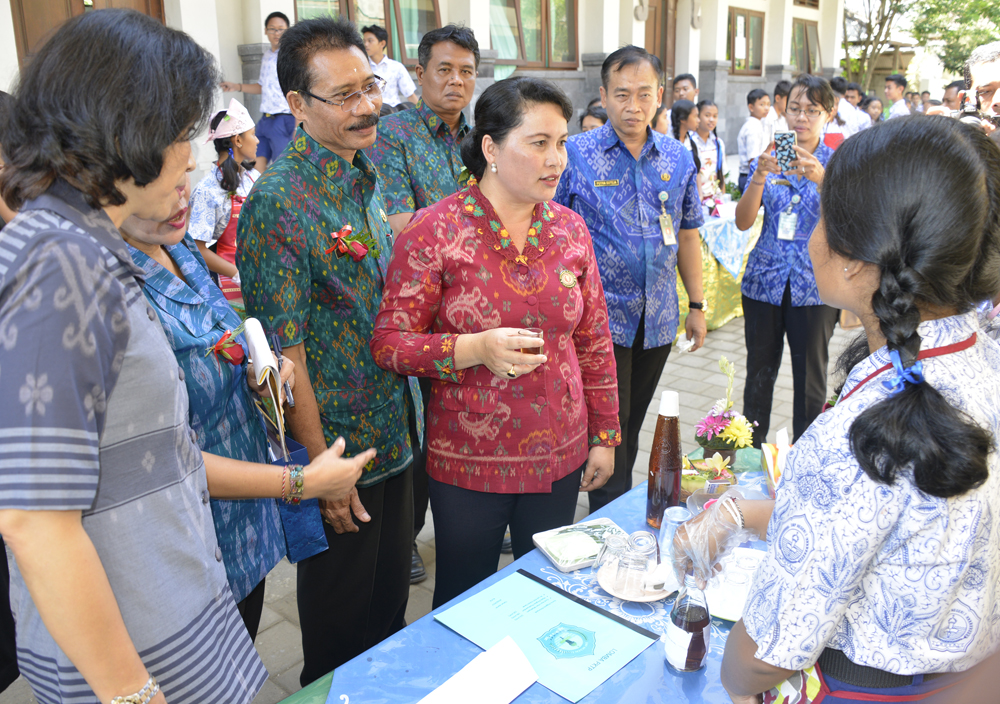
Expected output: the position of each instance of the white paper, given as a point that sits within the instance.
(260, 351)
(676, 642)
(497, 676)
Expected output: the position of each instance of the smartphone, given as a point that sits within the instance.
(783, 150)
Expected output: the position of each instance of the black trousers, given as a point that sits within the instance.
(353, 596)
(469, 527)
(251, 609)
(809, 329)
(420, 495)
(639, 372)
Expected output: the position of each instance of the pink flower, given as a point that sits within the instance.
(710, 426)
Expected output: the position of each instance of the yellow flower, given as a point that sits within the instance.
(738, 432)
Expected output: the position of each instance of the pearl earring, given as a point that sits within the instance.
(493, 167)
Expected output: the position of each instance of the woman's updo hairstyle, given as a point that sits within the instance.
(929, 188)
(229, 169)
(500, 109)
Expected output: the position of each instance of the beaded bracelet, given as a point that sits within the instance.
(295, 484)
(143, 696)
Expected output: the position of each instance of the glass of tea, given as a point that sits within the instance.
(532, 332)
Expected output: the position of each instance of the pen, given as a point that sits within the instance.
(288, 389)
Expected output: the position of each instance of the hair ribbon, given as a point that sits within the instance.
(913, 374)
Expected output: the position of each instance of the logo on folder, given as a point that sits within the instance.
(564, 641)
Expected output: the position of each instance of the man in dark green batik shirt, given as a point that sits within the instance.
(418, 151)
(319, 287)
(418, 155)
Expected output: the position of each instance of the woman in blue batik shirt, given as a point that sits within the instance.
(779, 289)
(881, 567)
(195, 316)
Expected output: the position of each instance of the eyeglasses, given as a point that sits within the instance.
(275, 30)
(811, 113)
(350, 103)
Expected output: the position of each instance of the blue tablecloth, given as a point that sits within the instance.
(409, 665)
(726, 242)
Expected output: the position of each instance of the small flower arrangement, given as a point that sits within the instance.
(228, 347)
(723, 428)
(344, 242)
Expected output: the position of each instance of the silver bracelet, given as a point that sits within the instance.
(735, 512)
(143, 696)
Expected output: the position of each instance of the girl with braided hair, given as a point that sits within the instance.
(879, 578)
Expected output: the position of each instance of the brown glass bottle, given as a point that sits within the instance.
(664, 487)
(689, 631)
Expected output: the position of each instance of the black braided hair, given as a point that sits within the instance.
(230, 169)
(930, 188)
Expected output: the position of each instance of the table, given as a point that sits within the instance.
(409, 665)
(724, 249)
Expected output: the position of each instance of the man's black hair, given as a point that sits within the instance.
(924, 92)
(278, 15)
(457, 34)
(782, 89)
(306, 39)
(629, 55)
(897, 78)
(379, 32)
(686, 77)
(856, 87)
(839, 85)
(958, 85)
(755, 95)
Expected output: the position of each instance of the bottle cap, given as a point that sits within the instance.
(670, 404)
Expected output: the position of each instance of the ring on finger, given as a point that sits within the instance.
(511, 373)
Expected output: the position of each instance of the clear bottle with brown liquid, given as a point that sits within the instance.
(689, 629)
(664, 486)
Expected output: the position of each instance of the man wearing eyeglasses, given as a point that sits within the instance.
(418, 156)
(313, 249)
(275, 127)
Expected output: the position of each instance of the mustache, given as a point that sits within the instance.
(364, 122)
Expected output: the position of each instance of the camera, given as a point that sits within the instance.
(971, 112)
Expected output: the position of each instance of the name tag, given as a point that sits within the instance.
(601, 184)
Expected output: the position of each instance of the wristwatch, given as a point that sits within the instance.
(696, 305)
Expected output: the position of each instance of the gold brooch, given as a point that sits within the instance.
(567, 279)
(664, 177)
(385, 218)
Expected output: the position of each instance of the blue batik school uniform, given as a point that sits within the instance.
(780, 297)
(195, 315)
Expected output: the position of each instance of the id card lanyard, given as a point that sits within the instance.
(666, 221)
(789, 220)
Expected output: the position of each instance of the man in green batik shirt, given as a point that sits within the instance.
(418, 155)
(418, 152)
(318, 286)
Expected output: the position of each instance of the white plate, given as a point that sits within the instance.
(605, 578)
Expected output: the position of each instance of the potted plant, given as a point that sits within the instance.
(724, 430)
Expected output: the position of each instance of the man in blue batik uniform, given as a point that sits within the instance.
(637, 191)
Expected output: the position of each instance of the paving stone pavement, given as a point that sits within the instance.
(695, 375)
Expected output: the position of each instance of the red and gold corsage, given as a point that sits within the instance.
(345, 243)
(228, 347)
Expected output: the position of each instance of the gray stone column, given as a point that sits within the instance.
(487, 63)
(250, 56)
(777, 72)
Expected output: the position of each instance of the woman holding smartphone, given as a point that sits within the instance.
(779, 287)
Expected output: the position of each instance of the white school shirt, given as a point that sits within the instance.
(398, 84)
(899, 109)
(773, 123)
(750, 142)
(708, 154)
(272, 100)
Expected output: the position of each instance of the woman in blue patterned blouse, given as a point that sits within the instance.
(195, 315)
(881, 568)
(779, 289)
